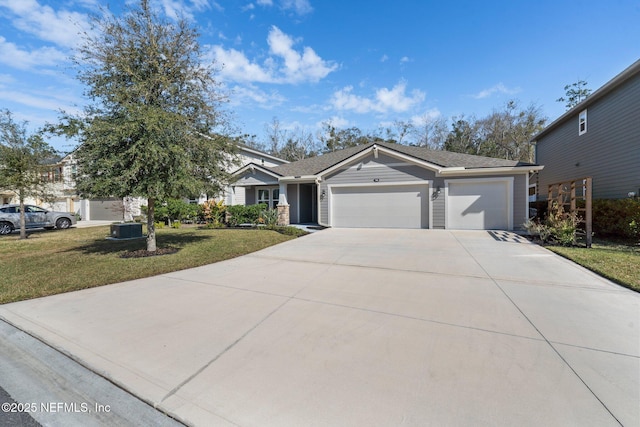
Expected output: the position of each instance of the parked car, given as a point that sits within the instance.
(35, 217)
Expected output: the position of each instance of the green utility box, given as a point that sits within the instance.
(131, 230)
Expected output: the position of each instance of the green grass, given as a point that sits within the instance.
(52, 262)
(616, 261)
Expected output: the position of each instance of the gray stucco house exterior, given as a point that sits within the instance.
(384, 185)
(598, 138)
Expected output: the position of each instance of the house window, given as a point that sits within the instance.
(533, 192)
(269, 196)
(582, 122)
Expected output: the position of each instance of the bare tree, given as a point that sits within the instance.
(430, 132)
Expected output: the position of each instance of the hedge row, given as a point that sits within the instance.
(611, 217)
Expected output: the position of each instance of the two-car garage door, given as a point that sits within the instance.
(469, 204)
(380, 206)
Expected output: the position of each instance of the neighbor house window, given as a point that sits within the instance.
(533, 192)
(582, 122)
(269, 196)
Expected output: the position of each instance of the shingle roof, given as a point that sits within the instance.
(444, 159)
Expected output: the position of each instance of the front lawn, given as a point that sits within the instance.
(616, 261)
(52, 262)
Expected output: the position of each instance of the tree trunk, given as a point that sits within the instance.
(151, 227)
(23, 219)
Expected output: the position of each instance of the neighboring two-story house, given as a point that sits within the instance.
(61, 177)
(598, 138)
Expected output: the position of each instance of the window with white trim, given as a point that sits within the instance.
(269, 196)
(582, 122)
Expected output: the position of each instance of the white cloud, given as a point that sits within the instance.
(384, 58)
(37, 100)
(499, 88)
(426, 117)
(284, 65)
(384, 101)
(405, 59)
(177, 9)
(336, 121)
(301, 7)
(60, 27)
(12, 55)
(250, 94)
(6, 78)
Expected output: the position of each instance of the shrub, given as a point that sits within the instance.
(240, 214)
(159, 224)
(614, 217)
(269, 217)
(213, 212)
(559, 227)
(634, 228)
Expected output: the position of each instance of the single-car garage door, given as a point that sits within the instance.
(106, 209)
(479, 205)
(380, 206)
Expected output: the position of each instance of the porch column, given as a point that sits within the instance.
(283, 206)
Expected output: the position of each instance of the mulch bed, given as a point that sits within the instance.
(143, 253)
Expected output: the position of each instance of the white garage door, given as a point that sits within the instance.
(393, 206)
(482, 205)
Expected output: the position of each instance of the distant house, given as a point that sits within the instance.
(236, 195)
(383, 185)
(598, 138)
(61, 178)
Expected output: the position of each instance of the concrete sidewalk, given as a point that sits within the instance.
(364, 327)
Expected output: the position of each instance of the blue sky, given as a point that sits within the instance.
(354, 63)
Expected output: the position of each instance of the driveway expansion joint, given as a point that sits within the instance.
(549, 343)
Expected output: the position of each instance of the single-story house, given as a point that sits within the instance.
(390, 185)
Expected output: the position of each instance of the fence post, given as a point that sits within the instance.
(588, 215)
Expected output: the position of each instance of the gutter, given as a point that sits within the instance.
(489, 171)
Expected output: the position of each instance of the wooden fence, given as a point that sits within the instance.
(567, 195)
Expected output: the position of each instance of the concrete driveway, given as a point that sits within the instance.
(358, 327)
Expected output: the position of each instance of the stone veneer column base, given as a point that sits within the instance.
(283, 214)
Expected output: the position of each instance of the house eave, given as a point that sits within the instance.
(489, 171)
(262, 154)
(375, 150)
(298, 179)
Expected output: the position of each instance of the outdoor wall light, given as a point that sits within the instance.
(323, 194)
(436, 193)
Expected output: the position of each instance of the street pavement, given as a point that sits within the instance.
(359, 327)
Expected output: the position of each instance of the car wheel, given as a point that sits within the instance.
(63, 223)
(5, 228)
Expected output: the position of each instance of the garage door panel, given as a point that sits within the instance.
(403, 206)
(106, 209)
(478, 205)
